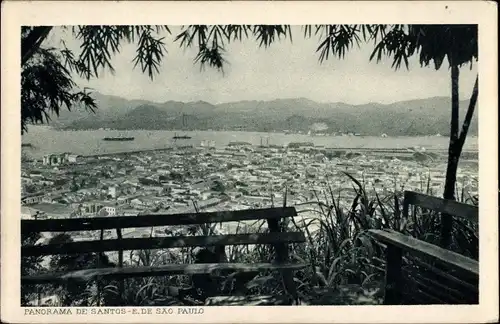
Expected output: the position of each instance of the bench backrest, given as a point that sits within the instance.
(448, 210)
(272, 215)
(440, 205)
(275, 237)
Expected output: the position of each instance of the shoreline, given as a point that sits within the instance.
(347, 149)
(373, 151)
(158, 141)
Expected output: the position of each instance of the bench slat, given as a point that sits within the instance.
(456, 282)
(438, 290)
(428, 299)
(129, 244)
(248, 300)
(432, 292)
(164, 270)
(446, 277)
(98, 223)
(446, 206)
(414, 245)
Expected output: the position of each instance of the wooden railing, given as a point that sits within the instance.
(276, 237)
(441, 276)
(98, 223)
(440, 205)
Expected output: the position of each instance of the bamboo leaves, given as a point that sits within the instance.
(101, 43)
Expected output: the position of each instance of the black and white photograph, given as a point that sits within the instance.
(243, 165)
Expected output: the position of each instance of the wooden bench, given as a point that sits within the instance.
(277, 238)
(418, 272)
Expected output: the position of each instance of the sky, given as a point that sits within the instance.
(284, 70)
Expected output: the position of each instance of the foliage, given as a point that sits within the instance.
(30, 266)
(177, 176)
(71, 293)
(46, 82)
(218, 186)
(30, 188)
(148, 182)
(74, 185)
(432, 43)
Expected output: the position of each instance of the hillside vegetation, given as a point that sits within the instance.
(415, 117)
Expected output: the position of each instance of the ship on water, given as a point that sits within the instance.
(119, 139)
(177, 137)
(181, 136)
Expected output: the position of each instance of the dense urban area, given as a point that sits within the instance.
(239, 176)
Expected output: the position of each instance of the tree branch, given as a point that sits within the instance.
(455, 104)
(468, 115)
(32, 42)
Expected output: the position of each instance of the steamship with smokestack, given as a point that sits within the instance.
(180, 137)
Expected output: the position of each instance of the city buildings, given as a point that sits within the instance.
(237, 176)
(58, 159)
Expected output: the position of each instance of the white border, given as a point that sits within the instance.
(15, 14)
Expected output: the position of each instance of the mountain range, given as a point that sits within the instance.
(428, 116)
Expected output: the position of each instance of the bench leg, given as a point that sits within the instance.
(393, 276)
(282, 257)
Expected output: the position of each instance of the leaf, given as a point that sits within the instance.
(367, 243)
(344, 244)
(321, 277)
(334, 264)
(332, 277)
(259, 282)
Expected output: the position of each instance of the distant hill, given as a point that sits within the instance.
(109, 107)
(413, 117)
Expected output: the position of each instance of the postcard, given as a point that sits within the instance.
(249, 162)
